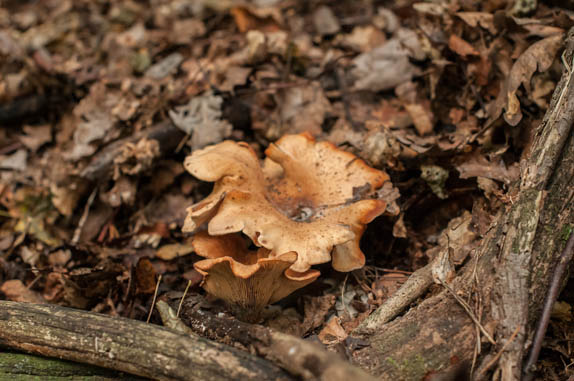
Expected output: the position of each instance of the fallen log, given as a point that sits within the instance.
(19, 365)
(125, 345)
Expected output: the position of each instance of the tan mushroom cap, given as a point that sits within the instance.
(244, 278)
(308, 198)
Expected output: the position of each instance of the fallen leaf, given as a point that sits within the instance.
(461, 47)
(184, 31)
(94, 121)
(433, 9)
(316, 310)
(333, 332)
(362, 38)
(235, 76)
(388, 65)
(325, 21)
(201, 118)
(303, 109)
(29, 255)
(538, 57)
(421, 116)
(476, 164)
(166, 66)
(483, 19)
(174, 250)
(16, 161)
(385, 286)
(36, 136)
(250, 18)
(16, 291)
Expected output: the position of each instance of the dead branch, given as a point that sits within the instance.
(415, 286)
(127, 345)
(305, 359)
(553, 292)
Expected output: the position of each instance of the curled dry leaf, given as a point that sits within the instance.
(461, 47)
(478, 165)
(247, 279)
(483, 19)
(309, 197)
(538, 57)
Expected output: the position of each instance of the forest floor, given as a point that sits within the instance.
(442, 96)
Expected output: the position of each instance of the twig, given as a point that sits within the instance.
(303, 358)
(83, 219)
(553, 292)
(391, 270)
(469, 312)
(414, 287)
(343, 295)
(500, 352)
(182, 298)
(154, 298)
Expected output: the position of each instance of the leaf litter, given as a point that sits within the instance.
(95, 124)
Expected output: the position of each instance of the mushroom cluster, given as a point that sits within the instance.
(308, 203)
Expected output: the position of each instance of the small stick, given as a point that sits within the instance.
(500, 352)
(183, 298)
(83, 219)
(154, 298)
(469, 312)
(343, 295)
(551, 297)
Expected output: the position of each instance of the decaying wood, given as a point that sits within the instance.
(507, 276)
(126, 345)
(26, 366)
(302, 358)
(511, 302)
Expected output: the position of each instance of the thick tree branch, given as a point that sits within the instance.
(127, 345)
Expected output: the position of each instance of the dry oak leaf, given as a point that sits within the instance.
(461, 47)
(245, 278)
(309, 197)
(538, 57)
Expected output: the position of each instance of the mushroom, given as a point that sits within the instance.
(308, 197)
(246, 279)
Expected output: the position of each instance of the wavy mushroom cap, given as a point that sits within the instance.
(243, 278)
(311, 198)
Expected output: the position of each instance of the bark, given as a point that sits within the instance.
(126, 345)
(507, 276)
(302, 358)
(25, 366)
